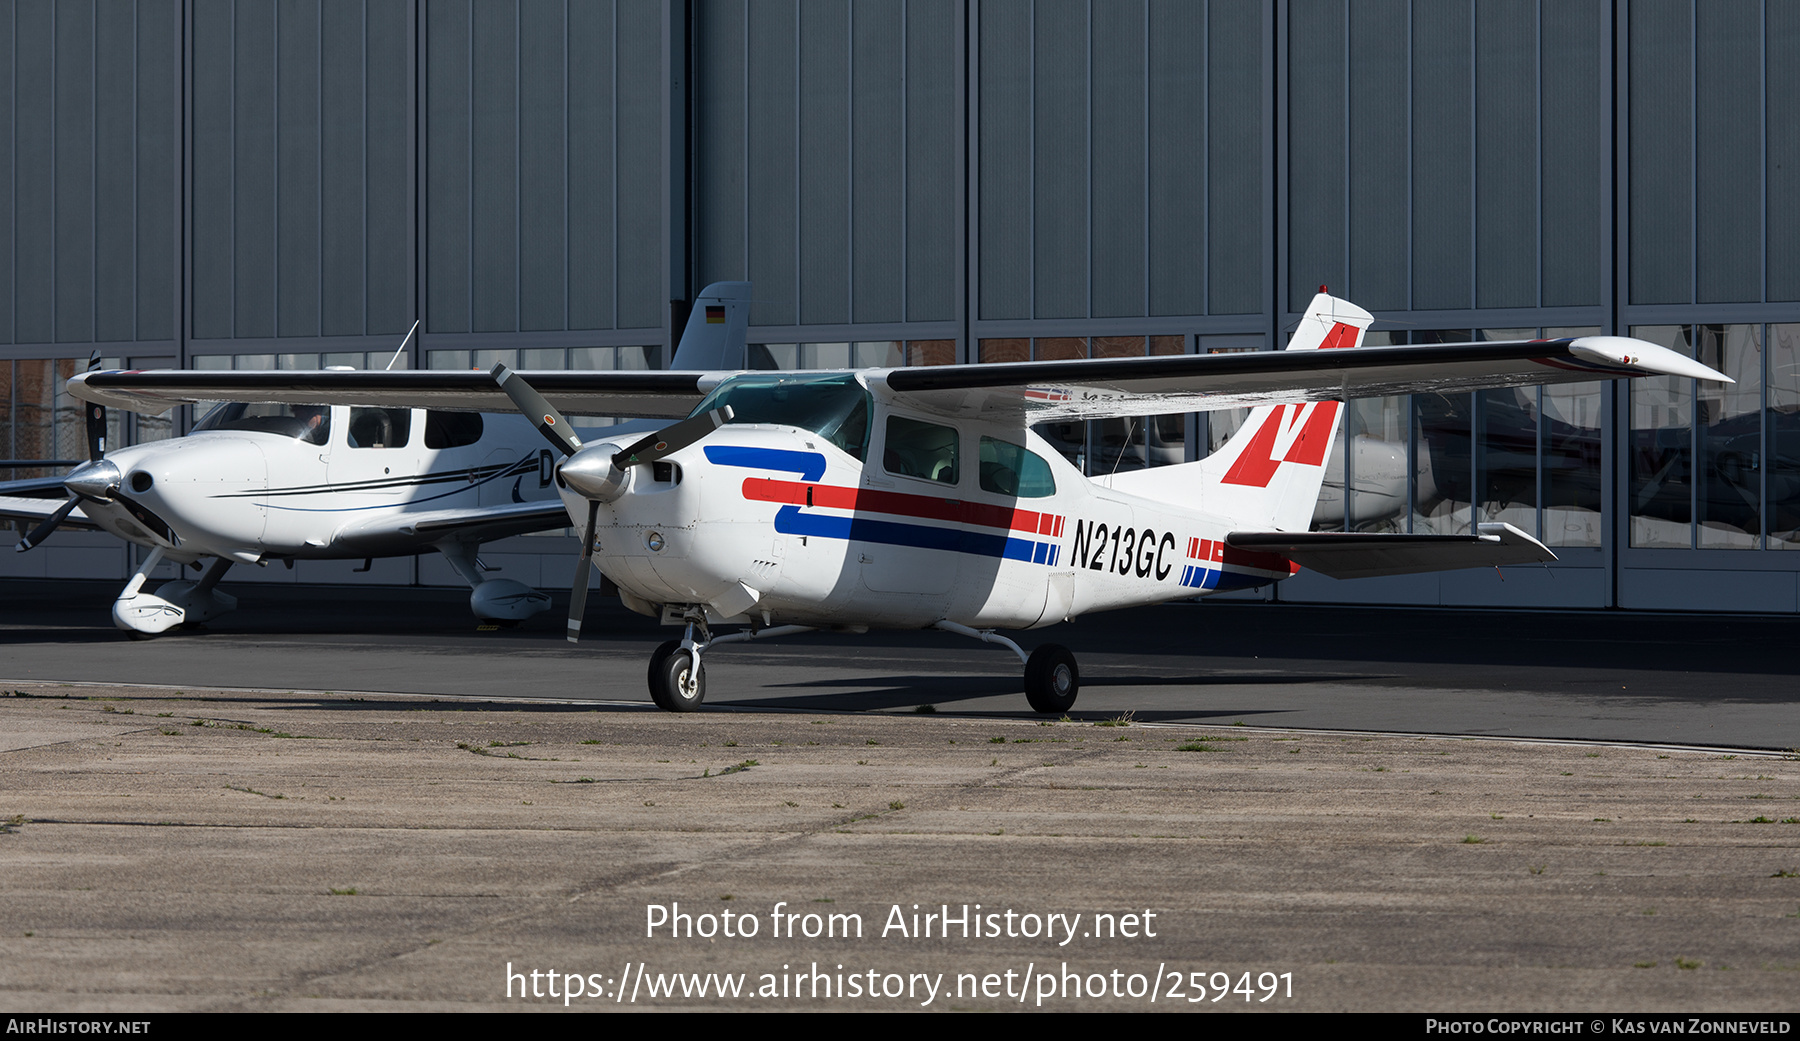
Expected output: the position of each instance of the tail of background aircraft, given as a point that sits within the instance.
(1267, 476)
(716, 330)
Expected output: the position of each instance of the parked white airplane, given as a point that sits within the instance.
(919, 498)
(254, 483)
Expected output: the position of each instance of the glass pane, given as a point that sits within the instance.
(1004, 350)
(447, 359)
(1783, 422)
(931, 352)
(1377, 429)
(1443, 483)
(297, 361)
(877, 354)
(1661, 448)
(1730, 435)
(543, 358)
(1571, 470)
(1059, 348)
(592, 359)
(825, 355)
(484, 360)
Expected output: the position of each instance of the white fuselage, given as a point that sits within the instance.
(250, 495)
(775, 525)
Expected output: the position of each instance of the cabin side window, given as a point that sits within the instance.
(452, 429)
(919, 449)
(1009, 469)
(380, 427)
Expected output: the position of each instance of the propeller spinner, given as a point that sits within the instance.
(595, 473)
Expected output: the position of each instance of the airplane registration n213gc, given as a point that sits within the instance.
(258, 482)
(920, 498)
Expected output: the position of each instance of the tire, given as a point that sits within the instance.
(1052, 679)
(659, 658)
(678, 682)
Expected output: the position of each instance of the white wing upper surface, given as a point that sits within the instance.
(1030, 392)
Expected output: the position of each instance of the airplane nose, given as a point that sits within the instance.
(97, 481)
(592, 473)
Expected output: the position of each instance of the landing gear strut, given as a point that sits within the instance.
(677, 676)
(1052, 678)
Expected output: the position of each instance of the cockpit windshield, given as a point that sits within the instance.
(310, 423)
(834, 407)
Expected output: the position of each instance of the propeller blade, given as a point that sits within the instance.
(578, 593)
(542, 414)
(672, 438)
(43, 530)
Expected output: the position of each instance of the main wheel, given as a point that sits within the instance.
(1051, 679)
(677, 680)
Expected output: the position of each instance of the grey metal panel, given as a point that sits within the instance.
(543, 215)
(210, 172)
(1379, 186)
(115, 282)
(1728, 141)
(74, 172)
(1005, 166)
(1442, 171)
(253, 186)
(1572, 172)
(878, 158)
(1662, 136)
(494, 167)
(591, 234)
(1179, 162)
(447, 167)
(824, 161)
(1506, 153)
(1315, 181)
(719, 140)
(343, 89)
(8, 213)
(1236, 51)
(388, 177)
(933, 127)
(1060, 170)
(772, 174)
(158, 30)
(34, 183)
(641, 303)
(297, 178)
(1117, 158)
(1782, 128)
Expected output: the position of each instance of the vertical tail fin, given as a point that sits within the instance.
(1267, 476)
(716, 330)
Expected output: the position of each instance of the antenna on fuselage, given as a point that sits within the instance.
(403, 343)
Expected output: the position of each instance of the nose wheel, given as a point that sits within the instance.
(1052, 679)
(677, 678)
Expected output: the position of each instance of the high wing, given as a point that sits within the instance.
(629, 394)
(1032, 391)
(1099, 388)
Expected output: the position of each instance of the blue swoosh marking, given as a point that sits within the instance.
(809, 465)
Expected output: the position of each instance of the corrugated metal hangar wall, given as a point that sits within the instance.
(260, 184)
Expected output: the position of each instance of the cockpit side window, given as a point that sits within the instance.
(380, 427)
(916, 448)
(309, 423)
(1008, 469)
(452, 429)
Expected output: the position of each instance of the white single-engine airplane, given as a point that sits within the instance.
(920, 498)
(254, 483)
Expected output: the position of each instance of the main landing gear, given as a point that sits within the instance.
(678, 673)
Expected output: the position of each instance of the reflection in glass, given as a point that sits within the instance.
(1729, 492)
(1661, 464)
(1783, 471)
(1442, 478)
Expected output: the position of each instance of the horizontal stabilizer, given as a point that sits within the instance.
(1354, 555)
